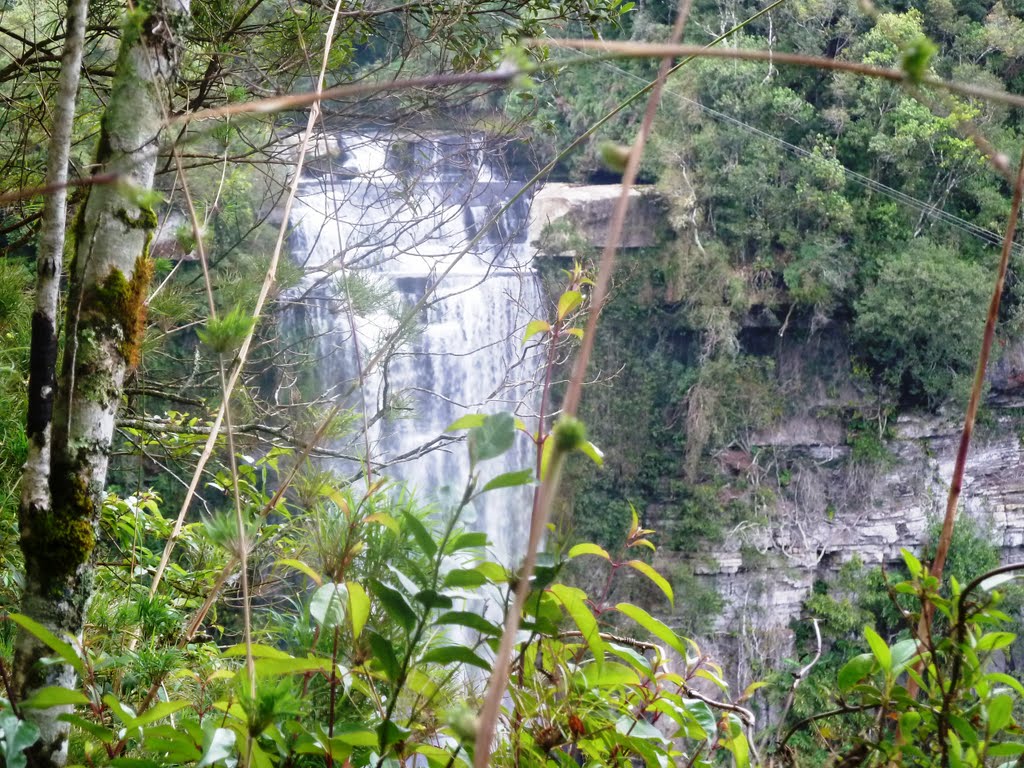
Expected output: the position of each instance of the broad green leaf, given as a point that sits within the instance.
(54, 643)
(577, 332)
(534, 327)
(638, 728)
(467, 541)
(389, 732)
(660, 581)
(705, 718)
(358, 607)
(588, 549)
(420, 533)
(903, 652)
(1006, 749)
(737, 743)
(879, 648)
(464, 578)
(300, 566)
(855, 670)
(396, 606)
(994, 641)
(574, 601)
(914, 567)
(259, 651)
(328, 605)
(492, 438)
(355, 735)
(1002, 677)
(158, 711)
(55, 696)
(384, 654)
(386, 520)
(272, 667)
(1000, 713)
(652, 625)
(469, 421)
(454, 654)
(609, 675)
(470, 620)
(218, 744)
(567, 302)
(19, 735)
(509, 480)
(431, 598)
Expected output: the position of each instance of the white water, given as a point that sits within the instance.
(393, 216)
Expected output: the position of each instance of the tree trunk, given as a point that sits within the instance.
(109, 277)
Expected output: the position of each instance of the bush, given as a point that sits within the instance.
(919, 325)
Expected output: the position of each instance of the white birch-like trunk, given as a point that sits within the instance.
(109, 277)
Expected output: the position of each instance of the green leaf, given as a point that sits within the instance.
(1000, 713)
(660, 581)
(492, 438)
(705, 718)
(55, 696)
(652, 625)
(45, 636)
(454, 654)
(218, 744)
(879, 648)
(358, 607)
(272, 667)
(19, 735)
(737, 743)
(396, 606)
(567, 302)
(384, 654)
(914, 567)
(855, 670)
(509, 480)
(464, 578)
(534, 327)
(470, 540)
(994, 641)
(471, 621)
(355, 735)
(259, 651)
(588, 549)
(420, 533)
(158, 711)
(300, 566)
(328, 605)
(469, 421)
(574, 601)
(592, 452)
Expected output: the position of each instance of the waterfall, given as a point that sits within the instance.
(374, 230)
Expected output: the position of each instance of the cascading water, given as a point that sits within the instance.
(394, 218)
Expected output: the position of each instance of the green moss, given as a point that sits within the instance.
(124, 301)
(63, 538)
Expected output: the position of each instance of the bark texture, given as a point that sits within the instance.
(109, 276)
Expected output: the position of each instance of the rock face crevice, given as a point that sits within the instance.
(824, 499)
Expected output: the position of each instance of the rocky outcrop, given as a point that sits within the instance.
(564, 217)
